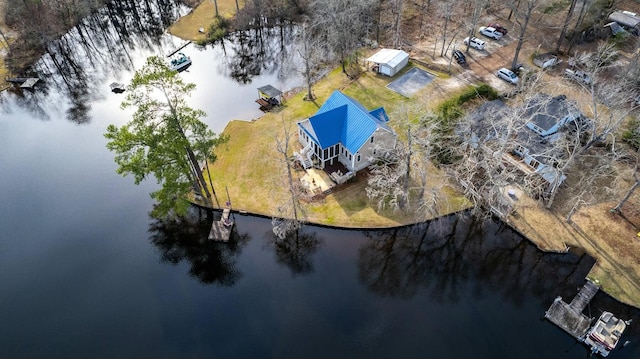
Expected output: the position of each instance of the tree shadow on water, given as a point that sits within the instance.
(185, 239)
(441, 257)
(295, 249)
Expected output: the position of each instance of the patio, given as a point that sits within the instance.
(411, 82)
(317, 181)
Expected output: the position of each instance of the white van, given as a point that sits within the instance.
(475, 43)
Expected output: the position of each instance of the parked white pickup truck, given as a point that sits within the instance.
(577, 75)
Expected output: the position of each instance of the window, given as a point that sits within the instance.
(350, 157)
(535, 164)
(371, 139)
(358, 158)
(325, 153)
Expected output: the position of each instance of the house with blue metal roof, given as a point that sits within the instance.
(343, 131)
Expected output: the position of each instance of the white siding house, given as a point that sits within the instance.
(343, 131)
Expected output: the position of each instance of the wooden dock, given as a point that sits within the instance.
(221, 229)
(25, 82)
(179, 48)
(569, 317)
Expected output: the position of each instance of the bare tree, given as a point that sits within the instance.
(309, 51)
(630, 191)
(344, 24)
(477, 7)
(397, 8)
(446, 9)
(522, 18)
(399, 174)
(291, 213)
(565, 24)
(610, 102)
(215, 4)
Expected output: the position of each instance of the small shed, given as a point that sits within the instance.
(389, 61)
(268, 96)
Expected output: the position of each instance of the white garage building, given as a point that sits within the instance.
(389, 61)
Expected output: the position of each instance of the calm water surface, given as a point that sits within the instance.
(85, 272)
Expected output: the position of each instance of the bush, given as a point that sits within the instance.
(217, 31)
(448, 112)
(451, 109)
(631, 135)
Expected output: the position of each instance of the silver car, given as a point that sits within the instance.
(508, 76)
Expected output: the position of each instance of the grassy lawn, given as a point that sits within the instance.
(252, 170)
(201, 17)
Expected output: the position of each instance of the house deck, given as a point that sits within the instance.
(318, 181)
(264, 104)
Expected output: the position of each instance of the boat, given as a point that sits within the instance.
(180, 62)
(605, 334)
(117, 87)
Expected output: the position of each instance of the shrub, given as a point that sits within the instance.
(217, 31)
(448, 112)
(631, 135)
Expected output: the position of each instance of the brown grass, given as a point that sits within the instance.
(187, 27)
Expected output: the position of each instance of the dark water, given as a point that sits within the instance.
(85, 272)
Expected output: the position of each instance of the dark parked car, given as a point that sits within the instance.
(499, 28)
(459, 56)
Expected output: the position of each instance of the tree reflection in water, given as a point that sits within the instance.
(78, 63)
(258, 51)
(102, 44)
(185, 238)
(295, 249)
(439, 256)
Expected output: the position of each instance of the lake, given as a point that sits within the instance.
(85, 271)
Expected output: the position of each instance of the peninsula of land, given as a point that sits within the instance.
(249, 166)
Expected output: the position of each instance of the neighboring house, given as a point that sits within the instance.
(627, 20)
(389, 61)
(547, 115)
(545, 119)
(343, 131)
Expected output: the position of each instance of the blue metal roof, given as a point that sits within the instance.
(327, 126)
(343, 119)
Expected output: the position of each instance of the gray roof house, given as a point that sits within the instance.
(544, 118)
(630, 21)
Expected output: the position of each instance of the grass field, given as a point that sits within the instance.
(250, 167)
(201, 17)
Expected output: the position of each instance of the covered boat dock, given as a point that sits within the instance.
(268, 97)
